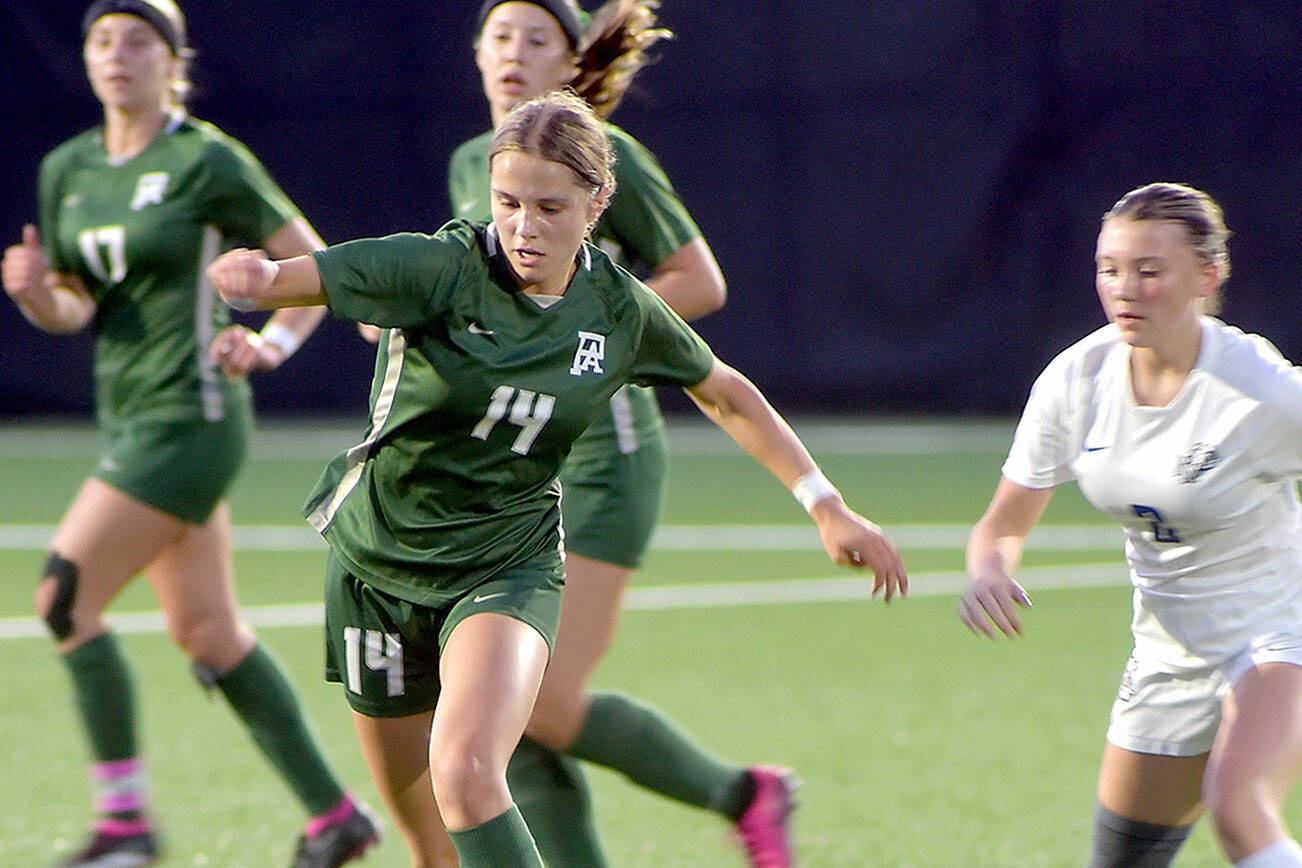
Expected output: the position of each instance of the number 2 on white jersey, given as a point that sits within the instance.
(1162, 532)
(529, 410)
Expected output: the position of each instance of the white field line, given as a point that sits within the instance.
(682, 538)
(698, 596)
(687, 436)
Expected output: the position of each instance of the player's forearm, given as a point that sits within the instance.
(734, 404)
(999, 537)
(989, 551)
(58, 310)
(288, 328)
(247, 280)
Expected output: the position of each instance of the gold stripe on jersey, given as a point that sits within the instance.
(321, 517)
(205, 300)
(621, 411)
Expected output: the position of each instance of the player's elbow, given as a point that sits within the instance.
(714, 293)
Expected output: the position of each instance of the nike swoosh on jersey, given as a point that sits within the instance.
(476, 329)
(479, 598)
(1095, 448)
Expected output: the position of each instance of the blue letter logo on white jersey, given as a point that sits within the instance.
(590, 354)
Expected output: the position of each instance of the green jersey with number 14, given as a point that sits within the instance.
(479, 393)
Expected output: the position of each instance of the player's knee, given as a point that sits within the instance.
(212, 636)
(57, 594)
(1240, 810)
(1120, 841)
(457, 788)
(188, 634)
(556, 718)
(465, 779)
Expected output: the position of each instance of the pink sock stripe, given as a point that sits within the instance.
(116, 803)
(330, 817)
(116, 769)
(110, 826)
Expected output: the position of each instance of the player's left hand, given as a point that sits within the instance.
(854, 541)
(239, 350)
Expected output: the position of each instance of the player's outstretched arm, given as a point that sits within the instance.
(248, 280)
(994, 549)
(733, 403)
(238, 349)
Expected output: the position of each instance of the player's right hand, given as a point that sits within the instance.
(854, 541)
(24, 269)
(991, 603)
(242, 276)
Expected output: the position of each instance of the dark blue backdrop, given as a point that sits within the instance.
(903, 194)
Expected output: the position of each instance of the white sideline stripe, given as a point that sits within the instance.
(687, 436)
(681, 538)
(814, 590)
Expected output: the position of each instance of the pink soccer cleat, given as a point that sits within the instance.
(340, 841)
(762, 829)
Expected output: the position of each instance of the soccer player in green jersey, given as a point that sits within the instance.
(503, 342)
(130, 213)
(615, 476)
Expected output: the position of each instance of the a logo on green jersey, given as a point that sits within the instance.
(590, 354)
(150, 188)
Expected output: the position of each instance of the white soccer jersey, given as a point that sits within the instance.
(1205, 487)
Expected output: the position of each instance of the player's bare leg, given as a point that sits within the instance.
(1256, 757)
(397, 752)
(489, 670)
(1147, 806)
(633, 737)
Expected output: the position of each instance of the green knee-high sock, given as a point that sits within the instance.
(502, 841)
(106, 699)
(552, 793)
(634, 738)
(264, 700)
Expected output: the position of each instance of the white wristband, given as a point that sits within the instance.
(812, 488)
(282, 336)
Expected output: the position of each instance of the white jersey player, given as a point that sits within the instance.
(1189, 433)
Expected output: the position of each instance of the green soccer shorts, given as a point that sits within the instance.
(385, 650)
(183, 468)
(610, 499)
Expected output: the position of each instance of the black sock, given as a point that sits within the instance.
(1120, 842)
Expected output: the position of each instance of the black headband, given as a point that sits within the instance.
(138, 8)
(559, 9)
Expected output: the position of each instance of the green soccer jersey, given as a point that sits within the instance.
(643, 225)
(479, 393)
(139, 233)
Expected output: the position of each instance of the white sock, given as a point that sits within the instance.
(1284, 853)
